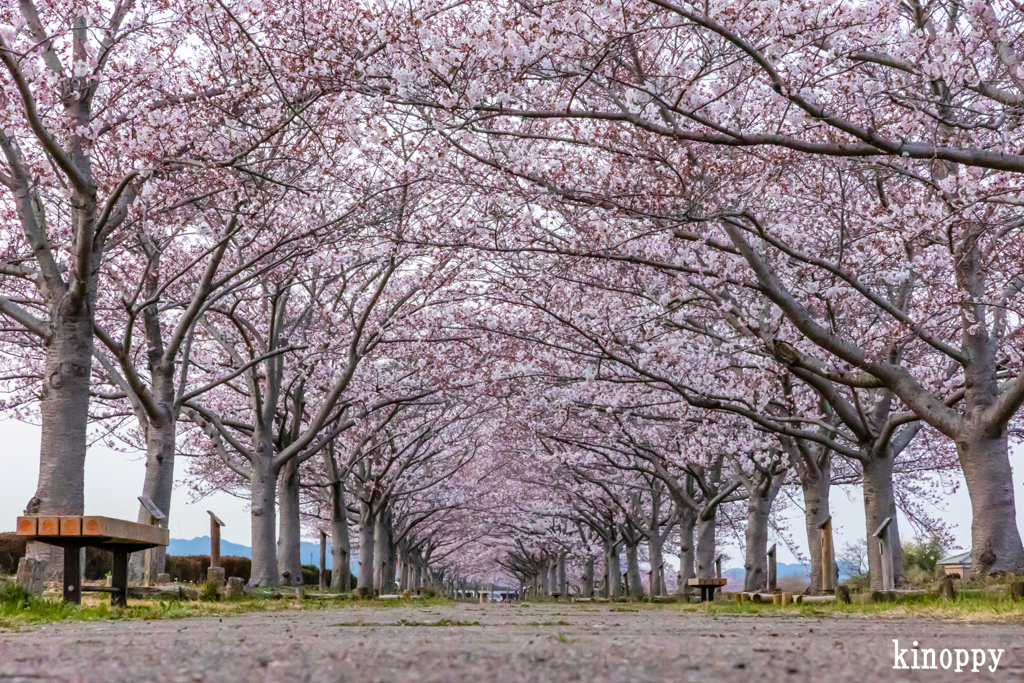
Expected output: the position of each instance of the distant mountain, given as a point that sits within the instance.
(783, 570)
(201, 546)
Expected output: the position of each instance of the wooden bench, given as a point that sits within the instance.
(707, 587)
(74, 532)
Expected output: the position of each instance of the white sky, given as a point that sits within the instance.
(114, 479)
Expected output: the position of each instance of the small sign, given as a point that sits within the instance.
(153, 509)
(216, 518)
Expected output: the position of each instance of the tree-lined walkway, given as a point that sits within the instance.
(498, 644)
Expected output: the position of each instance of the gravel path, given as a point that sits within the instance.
(498, 644)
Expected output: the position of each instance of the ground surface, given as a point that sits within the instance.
(497, 644)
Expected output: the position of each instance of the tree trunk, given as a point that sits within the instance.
(816, 491)
(614, 571)
(995, 540)
(64, 413)
(759, 507)
(384, 552)
(341, 547)
(657, 574)
(289, 551)
(687, 520)
(553, 575)
(588, 577)
(636, 586)
(366, 545)
(706, 544)
(563, 587)
(158, 487)
(879, 503)
(263, 500)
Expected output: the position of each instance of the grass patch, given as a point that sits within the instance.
(442, 622)
(19, 609)
(961, 609)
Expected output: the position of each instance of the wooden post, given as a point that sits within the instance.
(772, 576)
(156, 518)
(323, 561)
(828, 557)
(215, 525)
(885, 552)
(72, 574)
(119, 578)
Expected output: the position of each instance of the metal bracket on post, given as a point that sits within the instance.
(885, 553)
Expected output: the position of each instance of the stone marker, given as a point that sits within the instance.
(236, 588)
(215, 575)
(31, 575)
(163, 579)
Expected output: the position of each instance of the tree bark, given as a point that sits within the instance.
(995, 539)
(588, 577)
(289, 550)
(687, 521)
(158, 487)
(263, 500)
(64, 412)
(759, 507)
(706, 543)
(654, 543)
(879, 503)
(563, 588)
(366, 545)
(636, 586)
(384, 552)
(816, 491)
(341, 546)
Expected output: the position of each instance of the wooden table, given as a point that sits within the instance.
(74, 532)
(707, 587)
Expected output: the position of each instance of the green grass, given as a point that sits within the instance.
(19, 609)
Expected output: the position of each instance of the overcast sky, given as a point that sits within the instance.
(114, 479)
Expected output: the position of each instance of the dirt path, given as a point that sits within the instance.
(498, 644)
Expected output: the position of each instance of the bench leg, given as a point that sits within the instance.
(119, 579)
(73, 575)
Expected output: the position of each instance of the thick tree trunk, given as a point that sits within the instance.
(341, 546)
(263, 499)
(588, 577)
(816, 491)
(158, 487)
(687, 520)
(384, 552)
(879, 503)
(366, 546)
(614, 571)
(289, 551)
(553, 575)
(545, 578)
(706, 544)
(64, 412)
(759, 507)
(657, 560)
(995, 539)
(563, 588)
(636, 586)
